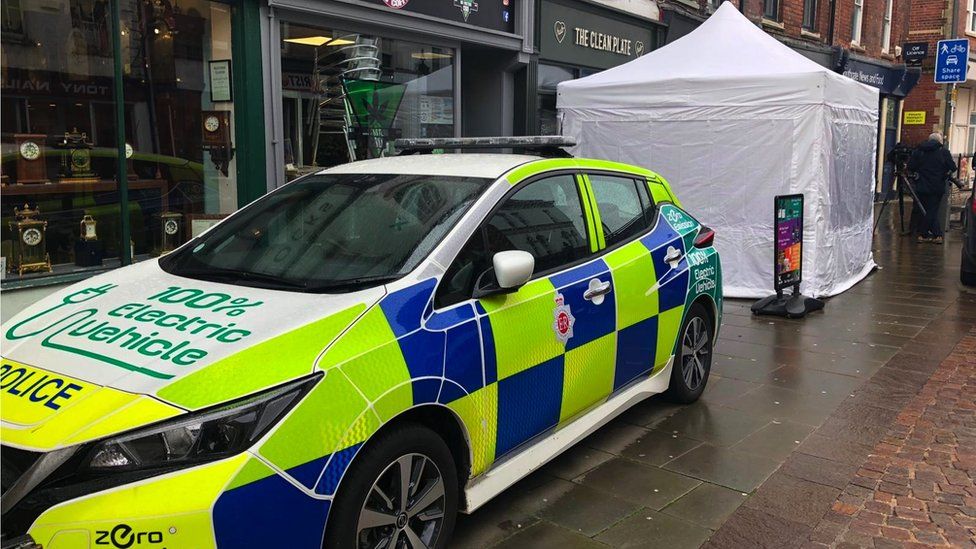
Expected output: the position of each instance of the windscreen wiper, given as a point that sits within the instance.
(217, 274)
(351, 284)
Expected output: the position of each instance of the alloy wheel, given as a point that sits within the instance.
(695, 353)
(405, 506)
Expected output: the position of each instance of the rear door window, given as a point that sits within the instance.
(624, 206)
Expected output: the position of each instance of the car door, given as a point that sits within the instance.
(549, 346)
(646, 257)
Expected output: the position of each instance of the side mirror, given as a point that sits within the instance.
(513, 268)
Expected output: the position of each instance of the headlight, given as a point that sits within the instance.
(199, 437)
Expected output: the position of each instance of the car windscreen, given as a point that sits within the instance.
(330, 233)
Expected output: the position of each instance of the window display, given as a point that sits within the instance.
(346, 96)
(58, 132)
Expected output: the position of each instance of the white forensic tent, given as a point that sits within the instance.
(731, 117)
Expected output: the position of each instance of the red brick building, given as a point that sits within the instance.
(931, 21)
(860, 38)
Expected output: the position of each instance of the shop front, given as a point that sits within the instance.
(578, 38)
(63, 212)
(352, 77)
(893, 82)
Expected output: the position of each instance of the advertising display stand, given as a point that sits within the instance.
(787, 262)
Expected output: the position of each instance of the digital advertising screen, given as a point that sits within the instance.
(789, 240)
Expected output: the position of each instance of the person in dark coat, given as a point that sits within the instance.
(933, 164)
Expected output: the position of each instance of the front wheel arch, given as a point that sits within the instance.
(438, 418)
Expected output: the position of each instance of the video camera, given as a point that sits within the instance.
(900, 154)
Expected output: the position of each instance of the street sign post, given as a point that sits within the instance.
(951, 60)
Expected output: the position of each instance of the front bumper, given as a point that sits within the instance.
(171, 510)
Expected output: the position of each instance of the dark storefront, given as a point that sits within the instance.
(354, 76)
(577, 39)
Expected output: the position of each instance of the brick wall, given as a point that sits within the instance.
(790, 22)
(931, 22)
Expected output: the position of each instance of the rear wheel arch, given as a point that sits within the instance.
(711, 308)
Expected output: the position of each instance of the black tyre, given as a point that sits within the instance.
(400, 492)
(693, 359)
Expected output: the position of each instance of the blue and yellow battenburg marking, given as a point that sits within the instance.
(505, 366)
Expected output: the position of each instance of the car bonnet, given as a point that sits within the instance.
(155, 344)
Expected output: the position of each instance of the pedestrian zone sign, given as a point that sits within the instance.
(951, 60)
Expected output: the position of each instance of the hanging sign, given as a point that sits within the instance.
(788, 242)
(914, 53)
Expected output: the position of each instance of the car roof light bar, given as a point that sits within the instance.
(543, 144)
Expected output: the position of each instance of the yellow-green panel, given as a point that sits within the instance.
(253, 471)
(590, 201)
(590, 213)
(377, 370)
(479, 413)
(668, 325)
(142, 411)
(521, 323)
(317, 425)
(394, 402)
(370, 331)
(588, 375)
(266, 364)
(608, 165)
(178, 504)
(633, 275)
(534, 168)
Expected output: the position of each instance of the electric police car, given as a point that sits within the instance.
(355, 357)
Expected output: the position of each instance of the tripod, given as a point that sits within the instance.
(901, 176)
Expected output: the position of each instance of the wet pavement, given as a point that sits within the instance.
(791, 411)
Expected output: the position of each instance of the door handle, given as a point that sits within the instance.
(673, 257)
(596, 291)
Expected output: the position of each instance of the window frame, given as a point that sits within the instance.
(638, 182)
(811, 9)
(578, 174)
(773, 14)
(886, 26)
(857, 22)
(971, 17)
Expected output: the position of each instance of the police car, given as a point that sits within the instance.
(354, 358)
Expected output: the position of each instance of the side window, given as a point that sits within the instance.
(544, 218)
(625, 211)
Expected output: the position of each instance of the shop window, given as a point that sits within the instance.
(857, 21)
(810, 15)
(771, 10)
(886, 28)
(59, 135)
(347, 96)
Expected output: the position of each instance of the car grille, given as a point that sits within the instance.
(14, 462)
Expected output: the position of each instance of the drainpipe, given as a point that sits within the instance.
(830, 25)
(125, 251)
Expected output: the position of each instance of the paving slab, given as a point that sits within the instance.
(652, 529)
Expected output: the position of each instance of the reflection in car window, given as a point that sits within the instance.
(545, 218)
(621, 208)
(331, 232)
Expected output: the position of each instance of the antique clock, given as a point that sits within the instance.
(216, 139)
(88, 250)
(171, 231)
(29, 251)
(76, 161)
(31, 166)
